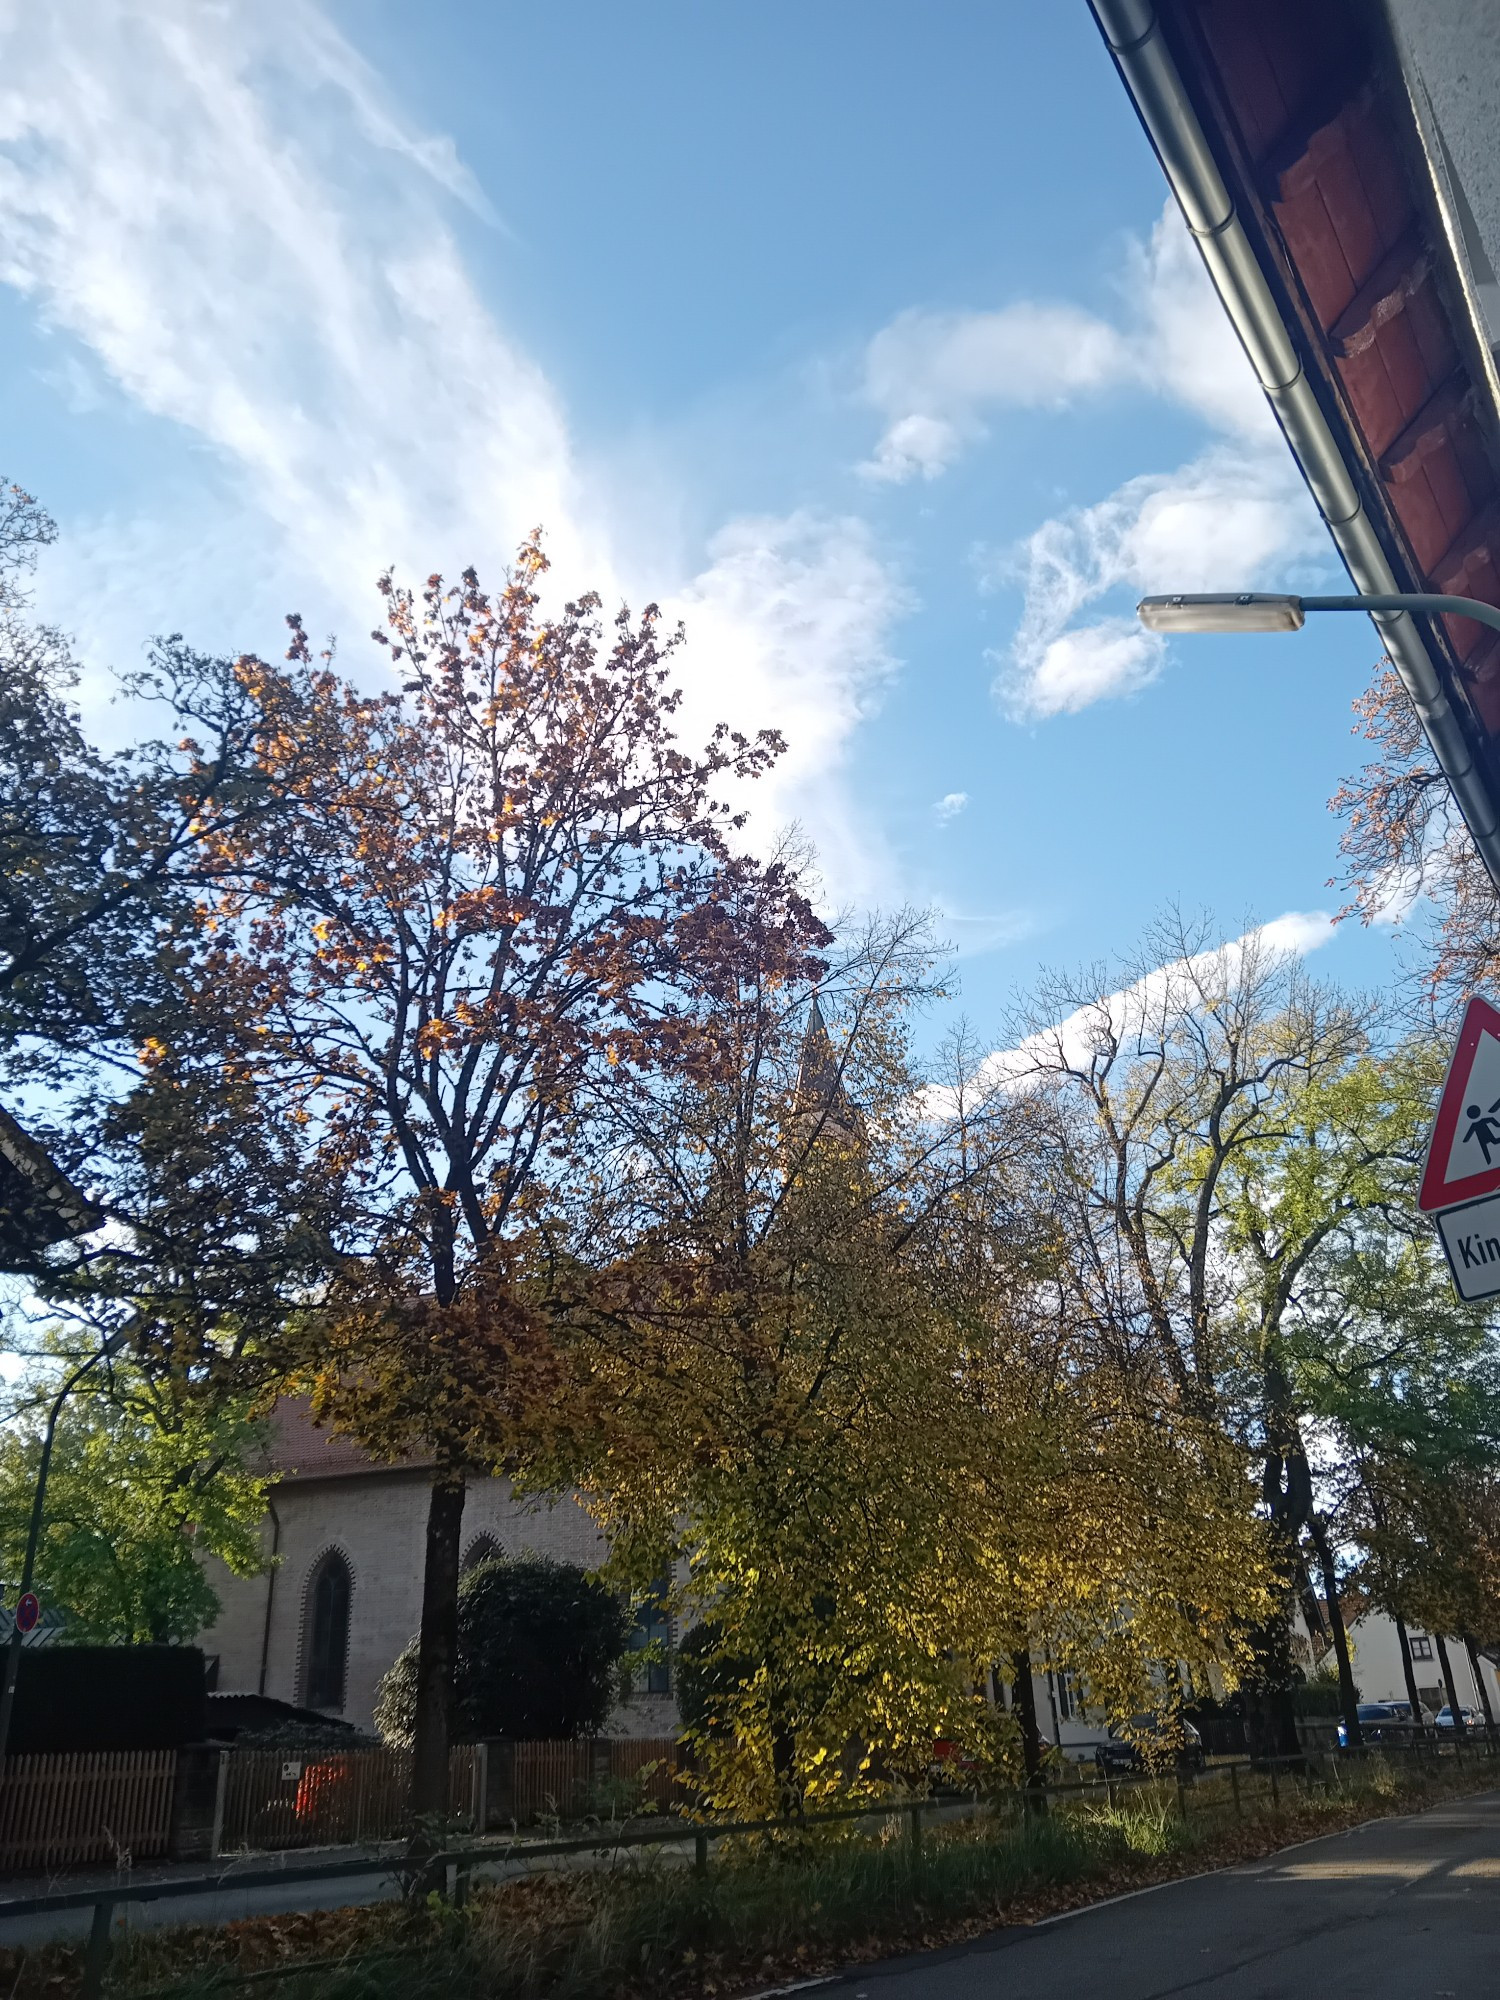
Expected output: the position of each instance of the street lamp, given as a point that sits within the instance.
(111, 1347)
(1256, 611)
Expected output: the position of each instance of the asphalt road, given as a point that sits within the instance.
(1400, 1909)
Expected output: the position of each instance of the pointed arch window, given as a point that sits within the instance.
(652, 1634)
(483, 1549)
(329, 1592)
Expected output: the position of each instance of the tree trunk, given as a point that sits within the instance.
(1286, 1488)
(1449, 1687)
(1270, 1711)
(1483, 1692)
(790, 1803)
(1409, 1673)
(1031, 1736)
(437, 1651)
(1312, 1616)
(1348, 1693)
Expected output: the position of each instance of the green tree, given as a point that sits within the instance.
(143, 1484)
(1230, 1136)
(832, 1374)
(101, 856)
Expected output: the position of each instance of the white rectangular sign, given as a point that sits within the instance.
(1471, 1239)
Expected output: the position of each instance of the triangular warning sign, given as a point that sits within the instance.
(1463, 1158)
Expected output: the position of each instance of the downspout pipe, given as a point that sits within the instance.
(275, 1557)
(1132, 33)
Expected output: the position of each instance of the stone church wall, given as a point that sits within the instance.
(377, 1522)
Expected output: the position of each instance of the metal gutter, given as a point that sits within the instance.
(1147, 68)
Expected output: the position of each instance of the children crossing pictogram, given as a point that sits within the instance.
(1463, 1160)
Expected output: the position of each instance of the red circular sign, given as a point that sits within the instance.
(28, 1610)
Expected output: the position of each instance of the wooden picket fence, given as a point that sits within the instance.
(569, 1779)
(280, 1799)
(59, 1811)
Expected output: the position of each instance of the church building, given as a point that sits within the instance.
(342, 1594)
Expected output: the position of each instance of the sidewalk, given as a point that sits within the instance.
(230, 1903)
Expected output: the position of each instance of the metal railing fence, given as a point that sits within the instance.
(1235, 1783)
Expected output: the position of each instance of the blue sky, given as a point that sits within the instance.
(858, 335)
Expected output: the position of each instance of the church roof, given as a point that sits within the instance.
(301, 1449)
(820, 1087)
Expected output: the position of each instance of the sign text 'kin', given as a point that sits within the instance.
(1471, 1240)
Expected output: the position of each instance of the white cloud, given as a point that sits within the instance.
(1229, 519)
(1235, 516)
(221, 207)
(1298, 932)
(933, 374)
(1180, 338)
(1134, 1009)
(788, 627)
(949, 806)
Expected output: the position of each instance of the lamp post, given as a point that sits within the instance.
(34, 1533)
(1255, 611)
(1259, 611)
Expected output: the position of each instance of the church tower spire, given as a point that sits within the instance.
(821, 1104)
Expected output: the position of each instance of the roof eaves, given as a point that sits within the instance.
(1229, 199)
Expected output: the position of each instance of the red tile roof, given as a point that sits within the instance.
(1317, 139)
(301, 1449)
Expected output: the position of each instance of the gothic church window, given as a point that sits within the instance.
(653, 1629)
(329, 1592)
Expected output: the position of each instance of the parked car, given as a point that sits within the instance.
(1385, 1721)
(1403, 1712)
(1147, 1742)
(1445, 1717)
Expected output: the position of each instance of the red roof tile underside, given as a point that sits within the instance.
(301, 1449)
(1316, 123)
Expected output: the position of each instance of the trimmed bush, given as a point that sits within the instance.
(539, 1648)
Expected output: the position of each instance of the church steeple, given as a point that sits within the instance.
(821, 1104)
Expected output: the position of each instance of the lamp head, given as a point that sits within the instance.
(1221, 611)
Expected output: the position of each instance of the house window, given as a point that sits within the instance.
(327, 1626)
(1063, 1695)
(653, 1628)
(1421, 1649)
(483, 1549)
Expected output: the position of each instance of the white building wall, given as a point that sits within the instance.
(1378, 1675)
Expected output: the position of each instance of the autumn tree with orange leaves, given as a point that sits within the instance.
(471, 926)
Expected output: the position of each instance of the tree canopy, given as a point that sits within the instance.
(431, 1040)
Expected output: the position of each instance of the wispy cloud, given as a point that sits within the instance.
(222, 207)
(1135, 1008)
(934, 375)
(1237, 516)
(1234, 516)
(937, 376)
(949, 806)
